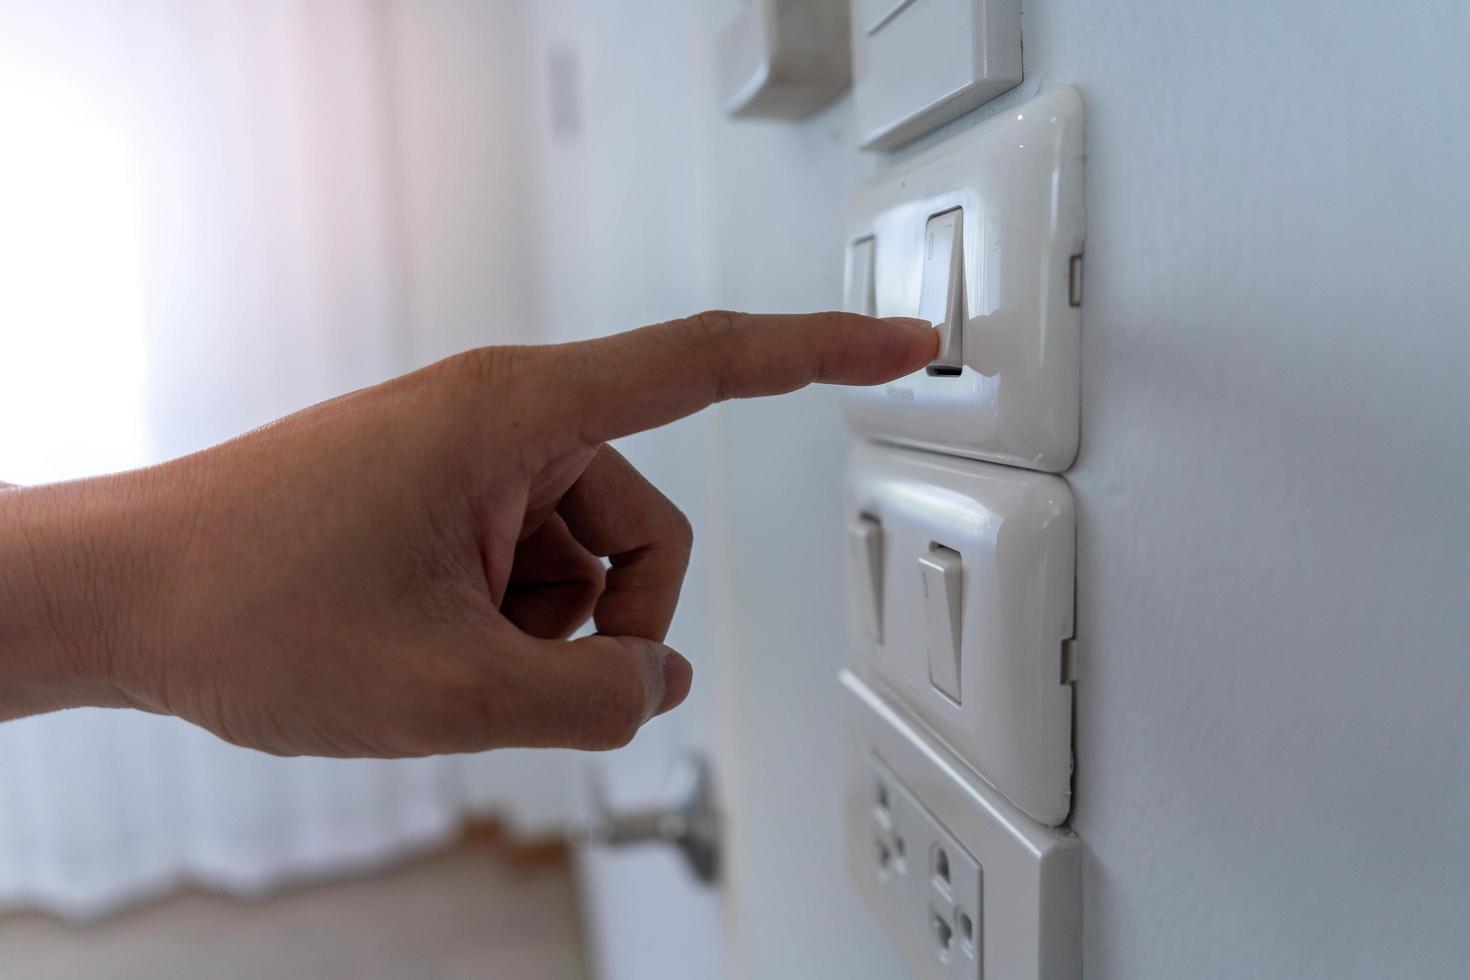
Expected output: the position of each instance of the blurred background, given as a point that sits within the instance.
(213, 212)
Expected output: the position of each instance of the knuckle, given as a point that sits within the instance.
(453, 714)
(625, 716)
(590, 572)
(711, 333)
(501, 391)
(712, 326)
(478, 367)
(622, 704)
(494, 370)
(681, 529)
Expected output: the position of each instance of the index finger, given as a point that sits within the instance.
(645, 378)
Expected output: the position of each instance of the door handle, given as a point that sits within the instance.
(690, 822)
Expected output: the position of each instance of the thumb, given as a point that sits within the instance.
(595, 692)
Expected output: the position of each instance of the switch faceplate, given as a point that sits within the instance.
(1015, 884)
(1016, 180)
(917, 65)
(982, 556)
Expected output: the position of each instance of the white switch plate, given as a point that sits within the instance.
(1015, 534)
(781, 59)
(1025, 880)
(1018, 179)
(920, 63)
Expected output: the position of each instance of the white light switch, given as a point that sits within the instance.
(858, 292)
(865, 546)
(1005, 277)
(917, 65)
(977, 640)
(942, 577)
(942, 292)
(780, 60)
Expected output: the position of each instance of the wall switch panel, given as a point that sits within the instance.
(783, 60)
(964, 883)
(1006, 386)
(919, 63)
(975, 596)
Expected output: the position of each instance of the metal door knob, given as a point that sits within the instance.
(690, 823)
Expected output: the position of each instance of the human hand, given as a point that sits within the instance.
(395, 572)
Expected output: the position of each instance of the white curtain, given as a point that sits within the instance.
(204, 222)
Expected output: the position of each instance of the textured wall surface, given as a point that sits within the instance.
(1272, 738)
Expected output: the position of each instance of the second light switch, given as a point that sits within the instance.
(972, 586)
(942, 576)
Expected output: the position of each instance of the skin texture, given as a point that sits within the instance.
(395, 572)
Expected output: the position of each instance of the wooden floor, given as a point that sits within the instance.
(472, 912)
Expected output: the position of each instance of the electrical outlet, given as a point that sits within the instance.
(963, 882)
(933, 883)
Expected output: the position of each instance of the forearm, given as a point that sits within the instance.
(79, 588)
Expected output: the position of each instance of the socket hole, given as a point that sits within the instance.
(885, 857)
(882, 797)
(943, 935)
(899, 847)
(964, 927)
(941, 865)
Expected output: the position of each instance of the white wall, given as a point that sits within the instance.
(1272, 737)
(1273, 746)
(623, 242)
(1273, 721)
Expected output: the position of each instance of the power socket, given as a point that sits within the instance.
(933, 883)
(963, 882)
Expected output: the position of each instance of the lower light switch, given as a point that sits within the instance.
(942, 574)
(980, 651)
(865, 544)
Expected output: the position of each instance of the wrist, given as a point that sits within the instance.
(81, 589)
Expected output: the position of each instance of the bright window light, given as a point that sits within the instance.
(72, 354)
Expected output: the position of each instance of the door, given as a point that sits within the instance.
(617, 98)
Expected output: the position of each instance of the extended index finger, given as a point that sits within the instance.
(645, 378)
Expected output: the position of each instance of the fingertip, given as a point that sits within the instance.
(678, 676)
(921, 340)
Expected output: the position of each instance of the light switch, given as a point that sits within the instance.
(917, 65)
(865, 543)
(978, 641)
(780, 60)
(942, 294)
(942, 575)
(859, 293)
(1015, 285)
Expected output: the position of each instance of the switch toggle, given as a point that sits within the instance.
(865, 543)
(942, 292)
(943, 578)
